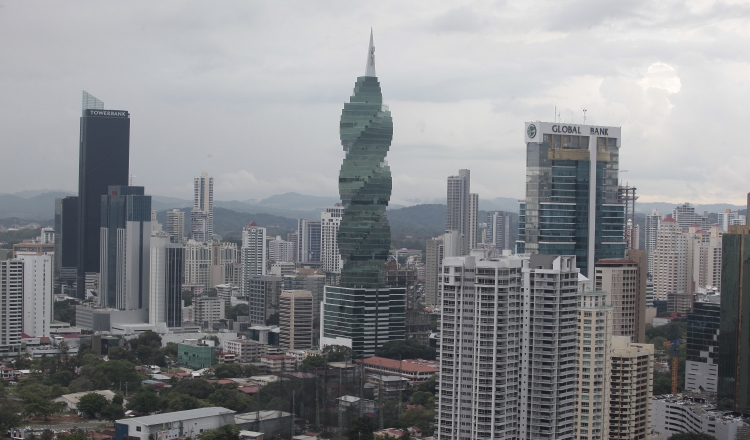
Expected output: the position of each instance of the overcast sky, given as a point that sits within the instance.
(251, 92)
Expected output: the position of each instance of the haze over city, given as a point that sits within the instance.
(251, 92)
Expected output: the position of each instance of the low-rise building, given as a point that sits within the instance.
(196, 356)
(270, 423)
(246, 350)
(178, 424)
(264, 379)
(278, 363)
(674, 414)
(71, 400)
(416, 370)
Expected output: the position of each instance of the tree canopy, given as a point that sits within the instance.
(92, 404)
(406, 349)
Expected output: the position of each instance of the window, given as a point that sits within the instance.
(138, 428)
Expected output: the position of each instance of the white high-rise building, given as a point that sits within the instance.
(329, 243)
(202, 215)
(253, 255)
(508, 347)
(548, 354)
(296, 319)
(594, 363)
(280, 251)
(480, 344)
(457, 212)
(670, 269)
(176, 226)
(197, 263)
(11, 306)
(686, 217)
(498, 227)
(652, 229)
(48, 236)
(730, 218)
(471, 235)
(37, 295)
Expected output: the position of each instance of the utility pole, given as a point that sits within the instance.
(292, 414)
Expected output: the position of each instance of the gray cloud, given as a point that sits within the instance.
(251, 92)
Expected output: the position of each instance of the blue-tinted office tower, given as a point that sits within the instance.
(125, 238)
(103, 161)
(571, 205)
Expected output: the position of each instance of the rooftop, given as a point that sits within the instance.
(407, 365)
(176, 416)
(258, 415)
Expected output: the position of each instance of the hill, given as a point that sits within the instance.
(38, 207)
(417, 221)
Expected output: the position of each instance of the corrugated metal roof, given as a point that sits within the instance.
(176, 416)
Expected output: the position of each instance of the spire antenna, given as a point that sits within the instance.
(370, 68)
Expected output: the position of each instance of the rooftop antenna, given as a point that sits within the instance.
(132, 176)
(584, 116)
(555, 118)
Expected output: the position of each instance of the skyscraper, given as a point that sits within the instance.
(308, 240)
(176, 226)
(167, 272)
(670, 269)
(198, 263)
(734, 343)
(594, 363)
(433, 263)
(471, 236)
(572, 207)
(37, 295)
(364, 239)
(66, 243)
(498, 226)
(202, 215)
(330, 220)
(480, 343)
(457, 209)
(652, 229)
(702, 351)
(625, 282)
(296, 319)
(253, 260)
(507, 360)
(11, 307)
(104, 161)
(686, 217)
(125, 246)
(631, 386)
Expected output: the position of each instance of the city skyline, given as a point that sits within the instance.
(248, 88)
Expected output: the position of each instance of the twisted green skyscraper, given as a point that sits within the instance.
(365, 182)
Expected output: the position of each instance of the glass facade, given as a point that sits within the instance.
(367, 317)
(364, 235)
(734, 333)
(103, 161)
(66, 240)
(122, 205)
(554, 218)
(702, 332)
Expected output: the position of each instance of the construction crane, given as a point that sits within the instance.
(675, 344)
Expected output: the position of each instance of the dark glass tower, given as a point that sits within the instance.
(103, 161)
(125, 245)
(361, 312)
(703, 344)
(733, 392)
(365, 182)
(175, 273)
(571, 205)
(66, 241)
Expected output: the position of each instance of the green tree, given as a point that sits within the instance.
(430, 385)
(180, 402)
(91, 404)
(361, 428)
(691, 436)
(47, 434)
(120, 353)
(226, 432)
(117, 400)
(75, 434)
(222, 371)
(313, 362)
(144, 401)
(112, 412)
(337, 353)
(170, 350)
(230, 398)
(422, 418)
(193, 387)
(147, 338)
(249, 370)
(9, 415)
(422, 398)
(406, 349)
(232, 312)
(40, 406)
